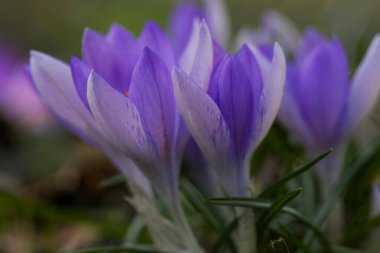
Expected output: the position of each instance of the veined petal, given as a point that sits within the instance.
(197, 59)
(365, 85)
(151, 91)
(119, 118)
(207, 126)
(153, 37)
(236, 102)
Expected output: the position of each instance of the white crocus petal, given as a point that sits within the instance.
(365, 86)
(274, 74)
(197, 59)
(218, 20)
(54, 83)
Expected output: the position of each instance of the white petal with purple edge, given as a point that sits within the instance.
(274, 75)
(118, 117)
(365, 85)
(56, 88)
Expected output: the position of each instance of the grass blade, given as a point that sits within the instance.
(117, 249)
(293, 174)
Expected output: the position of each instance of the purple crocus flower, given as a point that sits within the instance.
(321, 104)
(230, 119)
(119, 97)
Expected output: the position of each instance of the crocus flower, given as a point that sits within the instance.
(321, 104)
(119, 97)
(230, 118)
(19, 102)
(185, 14)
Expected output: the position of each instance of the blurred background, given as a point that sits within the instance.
(50, 182)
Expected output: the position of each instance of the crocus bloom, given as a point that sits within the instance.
(321, 105)
(119, 97)
(184, 16)
(19, 102)
(230, 118)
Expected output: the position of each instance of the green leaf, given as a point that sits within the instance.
(277, 185)
(264, 220)
(292, 238)
(116, 249)
(112, 181)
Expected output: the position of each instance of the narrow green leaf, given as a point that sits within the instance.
(116, 249)
(196, 200)
(254, 203)
(277, 205)
(293, 174)
(112, 181)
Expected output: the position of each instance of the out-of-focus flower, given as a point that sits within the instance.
(321, 106)
(187, 13)
(19, 102)
(274, 27)
(119, 97)
(230, 118)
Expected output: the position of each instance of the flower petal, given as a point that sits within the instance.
(322, 88)
(112, 63)
(182, 18)
(52, 79)
(274, 81)
(153, 37)
(197, 59)
(119, 118)
(365, 85)
(207, 126)
(80, 73)
(151, 91)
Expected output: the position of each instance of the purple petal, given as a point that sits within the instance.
(197, 59)
(322, 89)
(119, 118)
(153, 37)
(236, 102)
(80, 73)
(207, 126)
(182, 18)
(365, 86)
(151, 91)
(112, 63)
(312, 39)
